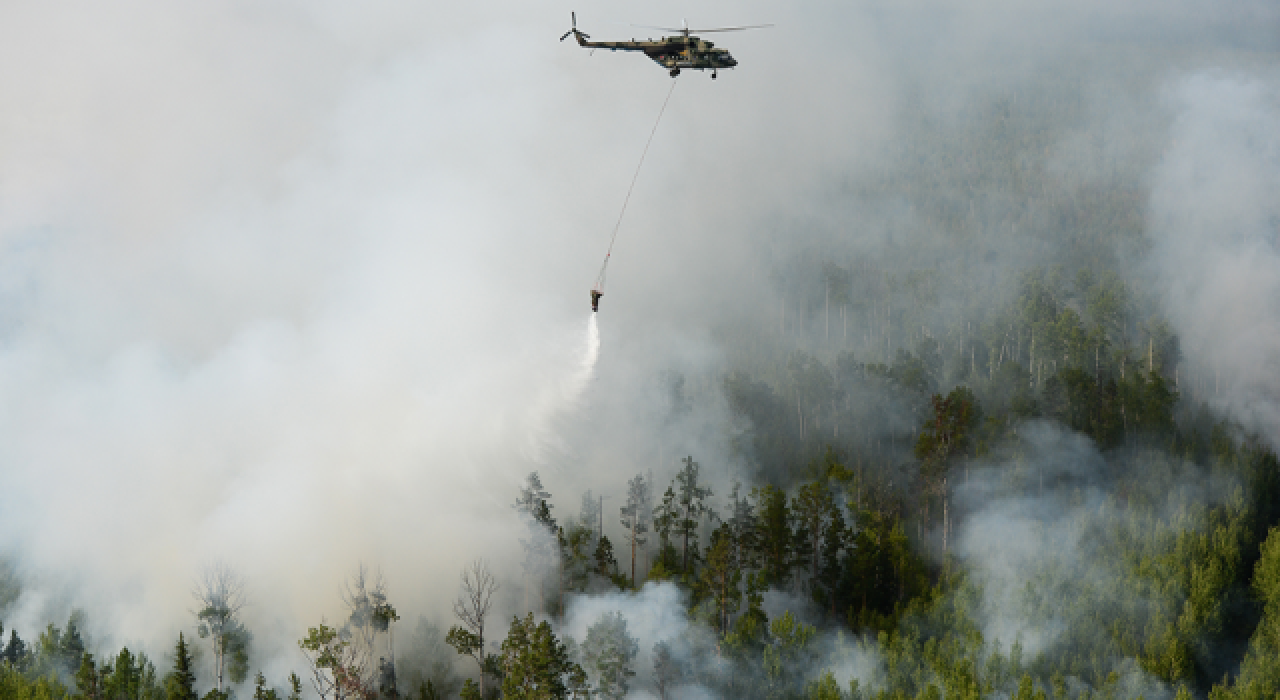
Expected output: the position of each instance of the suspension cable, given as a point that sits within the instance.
(600, 278)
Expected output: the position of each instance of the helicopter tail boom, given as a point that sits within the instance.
(584, 39)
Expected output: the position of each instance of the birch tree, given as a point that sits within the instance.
(220, 594)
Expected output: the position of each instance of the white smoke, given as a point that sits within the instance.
(1215, 229)
(658, 612)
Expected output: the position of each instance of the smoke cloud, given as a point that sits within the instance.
(1216, 239)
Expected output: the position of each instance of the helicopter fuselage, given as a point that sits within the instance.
(674, 53)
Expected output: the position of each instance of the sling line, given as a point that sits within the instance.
(600, 278)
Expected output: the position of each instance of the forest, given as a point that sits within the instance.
(977, 465)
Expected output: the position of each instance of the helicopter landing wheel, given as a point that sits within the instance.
(675, 72)
(713, 75)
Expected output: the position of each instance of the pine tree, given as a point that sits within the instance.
(72, 645)
(87, 679)
(532, 495)
(945, 436)
(16, 652)
(125, 678)
(776, 536)
(149, 686)
(540, 548)
(181, 681)
(790, 650)
(721, 578)
(427, 691)
(589, 514)
(692, 509)
(535, 664)
(825, 688)
(665, 516)
(606, 564)
(820, 536)
(576, 553)
(636, 515)
(835, 542)
(744, 530)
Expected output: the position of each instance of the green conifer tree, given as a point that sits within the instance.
(776, 533)
(635, 517)
(665, 515)
(125, 677)
(721, 578)
(180, 683)
(606, 564)
(692, 500)
(87, 682)
(536, 665)
(72, 645)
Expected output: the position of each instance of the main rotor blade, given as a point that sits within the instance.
(683, 30)
(729, 29)
(566, 35)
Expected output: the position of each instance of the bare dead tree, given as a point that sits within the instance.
(471, 608)
(220, 591)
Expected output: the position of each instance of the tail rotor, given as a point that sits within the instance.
(573, 29)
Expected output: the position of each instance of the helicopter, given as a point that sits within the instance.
(676, 52)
